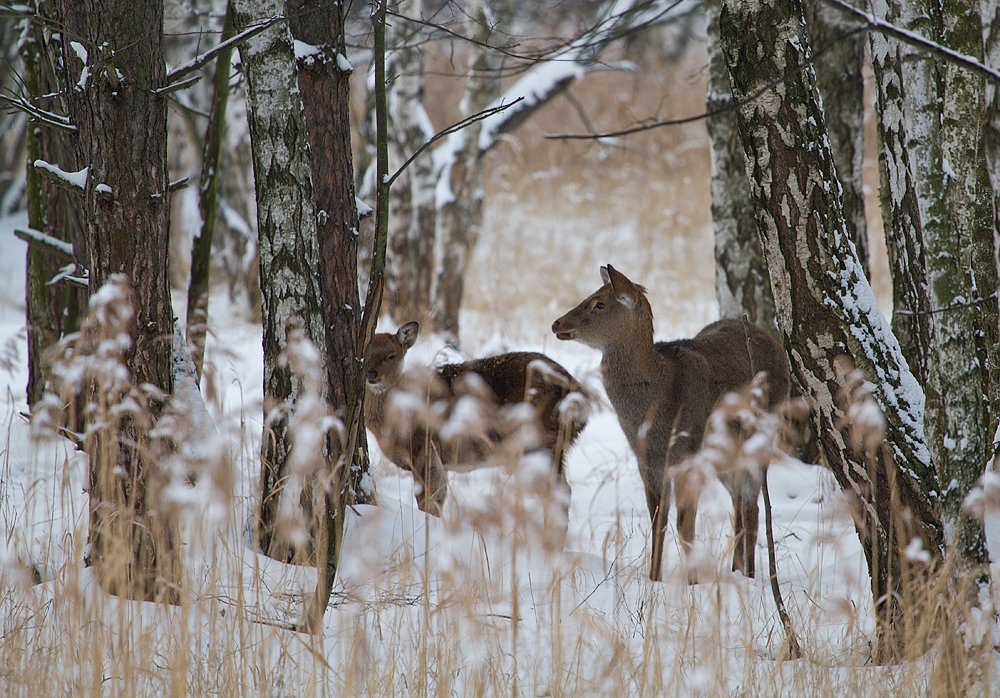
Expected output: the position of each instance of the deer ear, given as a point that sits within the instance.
(605, 277)
(625, 291)
(407, 334)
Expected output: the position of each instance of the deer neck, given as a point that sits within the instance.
(630, 368)
(375, 404)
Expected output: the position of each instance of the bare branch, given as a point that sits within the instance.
(198, 61)
(37, 114)
(457, 126)
(731, 106)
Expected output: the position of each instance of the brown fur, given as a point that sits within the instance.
(663, 394)
(501, 387)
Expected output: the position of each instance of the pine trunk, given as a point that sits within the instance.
(411, 228)
(288, 245)
(122, 134)
(53, 311)
(824, 304)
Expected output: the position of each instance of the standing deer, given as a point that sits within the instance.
(664, 393)
(468, 413)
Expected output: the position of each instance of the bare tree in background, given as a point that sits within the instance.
(208, 202)
(410, 260)
(53, 309)
(820, 291)
(460, 213)
(115, 62)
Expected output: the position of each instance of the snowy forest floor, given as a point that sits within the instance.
(472, 604)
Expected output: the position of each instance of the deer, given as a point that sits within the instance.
(663, 394)
(517, 401)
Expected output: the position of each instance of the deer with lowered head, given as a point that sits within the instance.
(663, 394)
(468, 415)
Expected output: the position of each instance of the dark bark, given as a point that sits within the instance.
(122, 138)
(325, 88)
(824, 304)
(208, 203)
(52, 310)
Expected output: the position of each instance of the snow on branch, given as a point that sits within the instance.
(913, 39)
(38, 114)
(198, 61)
(37, 237)
(547, 79)
(76, 181)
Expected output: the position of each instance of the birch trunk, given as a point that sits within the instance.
(460, 210)
(411, 228)
(824, 304)
(900, 203)
(288, 246)
(841, 87)
(742, 285)
(115, 67)
(961, 271)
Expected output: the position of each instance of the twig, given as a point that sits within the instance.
(957, 306)
(457, 126)
(793, 650)
(176, 185)
(731, 106)
(37, 237)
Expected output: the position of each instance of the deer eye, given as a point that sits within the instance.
(391, 357)
(598, 305)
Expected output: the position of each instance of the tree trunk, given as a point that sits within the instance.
(460, 216)
(824, 304)
(841, 86)
(288, 245)
(962, 403)
(208, 201)
(741, 281)
(116, 64)
(901, 209)
(411, 229)
(53, 311)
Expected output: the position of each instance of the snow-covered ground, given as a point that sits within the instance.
(472, 604)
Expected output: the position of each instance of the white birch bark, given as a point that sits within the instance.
(411, 228)
(286, 226)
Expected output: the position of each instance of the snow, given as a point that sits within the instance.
(77, 180)
(456, 584)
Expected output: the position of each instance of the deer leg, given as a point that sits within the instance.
(739, 533)
(744, 488)
(657, 486)
(431, 480)
(688, 491)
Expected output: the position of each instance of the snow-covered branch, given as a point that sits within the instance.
(870, 21)
(548, 79)
(198, 61)
(76, 181)
(37, 114)
(37, 237)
